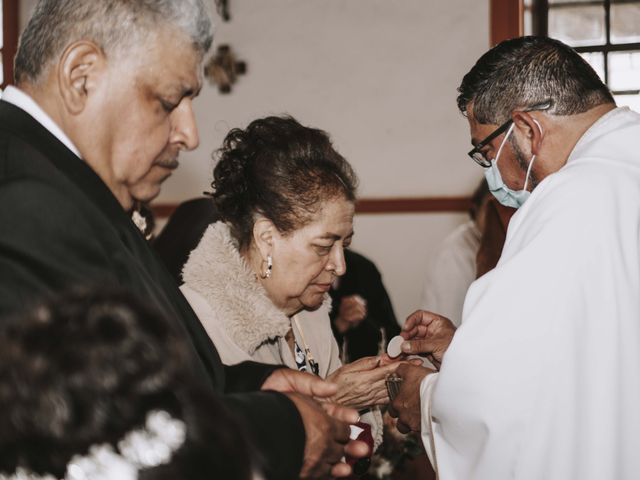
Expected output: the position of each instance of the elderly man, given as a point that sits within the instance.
(102, 109)
(541, 380)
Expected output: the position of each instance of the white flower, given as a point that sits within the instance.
(148, 447)
(102, 463)
(154, 445)
(384, 469)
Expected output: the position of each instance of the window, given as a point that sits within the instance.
(8, 39)
(605, 33)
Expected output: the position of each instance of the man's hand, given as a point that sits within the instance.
(352, 310)
(287, 380)
(427, 334)
(327, 438)
(326, 425)
(406, 406)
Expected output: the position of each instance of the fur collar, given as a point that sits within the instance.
(216, 271)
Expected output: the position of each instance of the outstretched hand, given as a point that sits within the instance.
(427, 334)
(361, 384)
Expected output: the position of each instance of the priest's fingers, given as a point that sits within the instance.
(419, 347)
(407, 402)
(402, 428)
(419, 317)
(423, 324)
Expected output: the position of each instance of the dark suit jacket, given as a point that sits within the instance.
(61, 227)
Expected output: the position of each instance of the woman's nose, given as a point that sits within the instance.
(337, 263)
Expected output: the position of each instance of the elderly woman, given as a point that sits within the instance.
(259, 280)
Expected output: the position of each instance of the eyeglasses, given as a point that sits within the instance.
(476, 152)
(478, 155)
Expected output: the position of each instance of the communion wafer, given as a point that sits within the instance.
(393, 348)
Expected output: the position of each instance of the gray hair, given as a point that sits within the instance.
(114, 25)
(528, 71)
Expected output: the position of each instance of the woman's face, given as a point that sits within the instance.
(307, 260)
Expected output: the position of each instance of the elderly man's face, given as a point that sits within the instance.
(512, 167)
(143, 116)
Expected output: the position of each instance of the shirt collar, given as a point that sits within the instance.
(20, 99)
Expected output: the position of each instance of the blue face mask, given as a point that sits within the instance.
(505, 195)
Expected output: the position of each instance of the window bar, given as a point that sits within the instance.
(607, 30)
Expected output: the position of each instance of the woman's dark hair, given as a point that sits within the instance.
(85, 370)
(281, 170)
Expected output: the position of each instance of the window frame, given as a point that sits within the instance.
(540, 24)
(9, 40)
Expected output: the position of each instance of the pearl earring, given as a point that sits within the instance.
(267, 271)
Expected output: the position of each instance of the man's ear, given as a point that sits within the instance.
(79, 68)
(529, 128)
(264, 233)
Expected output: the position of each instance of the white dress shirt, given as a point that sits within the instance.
(17, 97)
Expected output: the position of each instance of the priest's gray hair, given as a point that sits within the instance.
(117, 26)
(527, 72)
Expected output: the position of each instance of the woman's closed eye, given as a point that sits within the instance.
(167, 104)
(323, 249)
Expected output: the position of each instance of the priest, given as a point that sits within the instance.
(541, 380)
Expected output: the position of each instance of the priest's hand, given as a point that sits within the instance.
(327, 438)
(406, 406)
(427, 334)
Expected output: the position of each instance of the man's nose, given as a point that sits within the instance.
(183, 124)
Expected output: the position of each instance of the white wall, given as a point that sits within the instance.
(380, 76)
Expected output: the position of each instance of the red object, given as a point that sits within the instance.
(360, 466)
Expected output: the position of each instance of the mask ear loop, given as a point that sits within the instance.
(526, 180)
(503, 143)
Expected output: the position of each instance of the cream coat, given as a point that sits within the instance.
(241, 319)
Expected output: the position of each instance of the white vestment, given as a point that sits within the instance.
(542, 380)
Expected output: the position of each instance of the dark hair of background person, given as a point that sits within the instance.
(478, 197)
(526, 71)
(280, 169)
(85, 369)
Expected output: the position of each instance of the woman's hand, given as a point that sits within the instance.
(361, 384)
